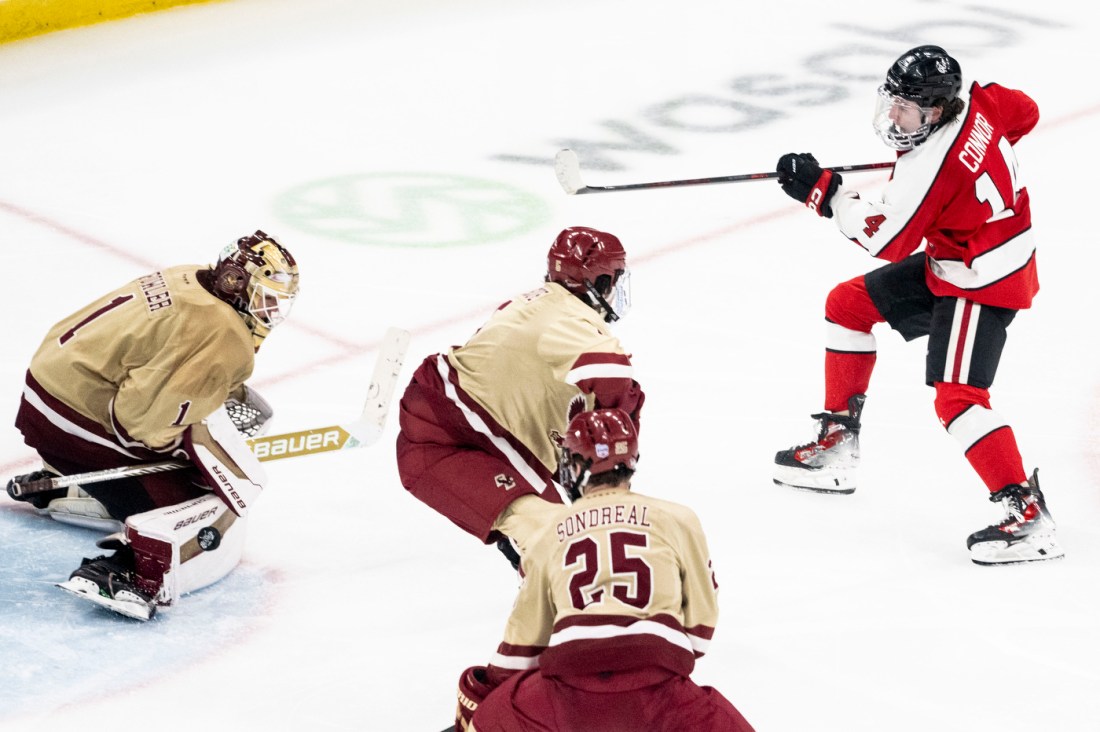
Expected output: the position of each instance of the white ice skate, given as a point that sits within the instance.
(828, 464)
(1026, 535)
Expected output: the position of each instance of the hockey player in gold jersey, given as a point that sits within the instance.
(618, 600)
(141, 375)
(477, 421)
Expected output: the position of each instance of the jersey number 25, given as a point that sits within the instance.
(631, 580)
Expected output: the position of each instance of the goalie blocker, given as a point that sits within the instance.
(229, 468)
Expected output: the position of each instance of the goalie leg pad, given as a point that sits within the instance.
(80, 509)
(183, 548)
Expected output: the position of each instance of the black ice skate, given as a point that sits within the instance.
(1026, 534)
(828, 464)
(109, 582)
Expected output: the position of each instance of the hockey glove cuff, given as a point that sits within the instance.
(806, 182)
(473, 686)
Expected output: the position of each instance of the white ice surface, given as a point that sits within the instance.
(154, 141)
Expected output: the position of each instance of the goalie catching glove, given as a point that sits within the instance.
(804, 180)
(249, 412)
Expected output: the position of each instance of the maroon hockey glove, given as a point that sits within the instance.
(804, 180)
(473, 686)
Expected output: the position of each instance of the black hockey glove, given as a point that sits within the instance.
(509, 552)
(804, 180)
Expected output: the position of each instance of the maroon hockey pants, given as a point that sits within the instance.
(450, 466)
(671, 703)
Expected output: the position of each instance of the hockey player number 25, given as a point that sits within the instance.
(631, 576)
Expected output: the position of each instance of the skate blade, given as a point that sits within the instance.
(84, 590)
(998, 553)
(817, 481)
(815, 489)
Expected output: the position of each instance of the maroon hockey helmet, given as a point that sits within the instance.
(605, 438)
(590, 264)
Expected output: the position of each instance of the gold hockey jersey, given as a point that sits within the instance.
(538, 361)
(145, 361)
(615, 581)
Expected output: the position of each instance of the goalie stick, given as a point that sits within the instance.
(362, 432)
(568, 169)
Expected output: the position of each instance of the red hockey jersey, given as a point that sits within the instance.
(961, 193)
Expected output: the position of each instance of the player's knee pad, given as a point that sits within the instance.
(182, 548)
(965, 413)
(849, 306)
(952, 399)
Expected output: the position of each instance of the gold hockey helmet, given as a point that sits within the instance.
(258, 277)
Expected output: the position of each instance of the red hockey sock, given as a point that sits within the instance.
(850, 357)
(846, 374)
(989, 443)
(996, 459)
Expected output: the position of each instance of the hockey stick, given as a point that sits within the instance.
(362, 432)
(568, 169)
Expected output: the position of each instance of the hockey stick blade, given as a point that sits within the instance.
(568, 170)
(365, 430)
(362, 432)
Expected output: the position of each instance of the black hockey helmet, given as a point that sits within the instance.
(926, 75)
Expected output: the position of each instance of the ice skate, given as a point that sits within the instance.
(1026, 535)
(828, 464)
(108, 582)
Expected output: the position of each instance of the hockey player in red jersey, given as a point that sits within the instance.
(618, 600)
(477, 421)
(956, 188)
(147, 373)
